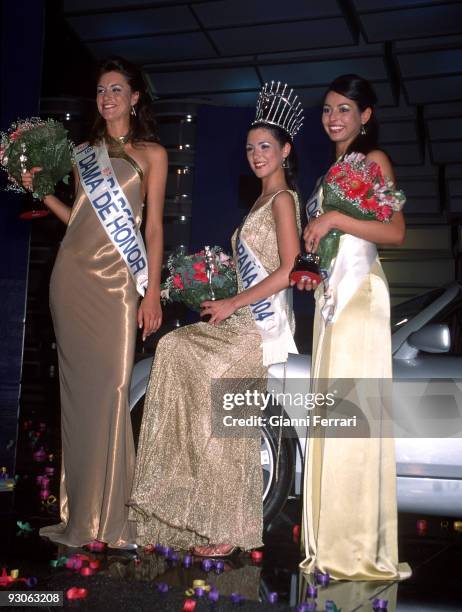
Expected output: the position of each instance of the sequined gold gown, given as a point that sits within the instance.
(190, 488)
(349, 506)
(94, 305)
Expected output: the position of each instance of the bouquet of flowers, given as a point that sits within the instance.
(199, 277)
(356, 188)
(36, 142)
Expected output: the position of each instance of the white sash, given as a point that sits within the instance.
(112, 209)
(347, 271)
(314, 205)
(351, 266)
(269, 313)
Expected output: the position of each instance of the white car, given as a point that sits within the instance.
(427, 359)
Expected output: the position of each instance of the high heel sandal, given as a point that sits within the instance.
(213, 551)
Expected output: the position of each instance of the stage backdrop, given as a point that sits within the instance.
(20, 75)
(225, 187)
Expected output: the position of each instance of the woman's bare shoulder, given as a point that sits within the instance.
(381, 159)
(152, 149)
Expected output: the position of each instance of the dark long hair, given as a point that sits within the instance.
(282, 138)
(143, 126)
(360, 91)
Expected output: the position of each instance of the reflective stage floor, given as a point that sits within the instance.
(148, 580)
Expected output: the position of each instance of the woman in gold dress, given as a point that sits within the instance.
(349, 509)
(192, 489)
(95, 309)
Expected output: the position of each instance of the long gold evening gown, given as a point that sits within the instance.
(349, 506)
(192, 488)
(94, 304)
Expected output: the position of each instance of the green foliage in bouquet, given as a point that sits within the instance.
(356, 187)
(36, 142)
(188, 281)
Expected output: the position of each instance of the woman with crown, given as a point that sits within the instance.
(193, 489)
(349, 510)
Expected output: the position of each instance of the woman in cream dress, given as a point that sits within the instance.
(95, 309)
(349, 509)
(192, 488)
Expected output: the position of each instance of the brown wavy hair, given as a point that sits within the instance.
(143, 126)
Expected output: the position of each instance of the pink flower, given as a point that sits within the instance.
(354, 158)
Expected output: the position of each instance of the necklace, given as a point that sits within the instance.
(123, 139)
(118, 140)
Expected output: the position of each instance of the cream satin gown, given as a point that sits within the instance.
(349, 505)
(94, 304)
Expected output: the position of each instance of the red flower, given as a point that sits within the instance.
(357, 188)
(375, 171)
(199, 273)
(384, 213)
(15, 135)
(370, 203)
(199, 266)
(200, 276)
(177, 282)
(342, 181)
(333, 172)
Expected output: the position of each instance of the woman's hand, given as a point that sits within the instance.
(149, 315)
(61, 210)
(218, 310)
(316, 229)
(305, 284)
(27, 178)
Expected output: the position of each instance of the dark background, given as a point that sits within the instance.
(204, 62)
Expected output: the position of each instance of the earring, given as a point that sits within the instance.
(285, 163)
(362, 130)
(133, 111)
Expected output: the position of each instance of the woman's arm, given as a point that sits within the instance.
(57, 206)
(392, 233)
(150, 311)
(288, 246)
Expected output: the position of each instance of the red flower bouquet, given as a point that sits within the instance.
(193, 279)
(356, 188)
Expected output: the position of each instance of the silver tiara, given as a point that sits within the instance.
(278, 105)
